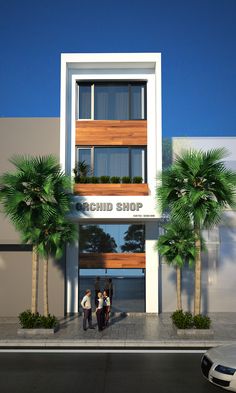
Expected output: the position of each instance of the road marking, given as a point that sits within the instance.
(180, 351)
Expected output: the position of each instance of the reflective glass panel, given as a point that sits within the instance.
(137, 102)
(127, 238)
(111, 102)
(85, 101)
(137, 162)
(84, 155)
(111, 161)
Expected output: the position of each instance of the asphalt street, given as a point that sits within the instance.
(102, 373)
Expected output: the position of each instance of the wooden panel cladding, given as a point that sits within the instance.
(112, 261)
(111, 189)
(111, 132)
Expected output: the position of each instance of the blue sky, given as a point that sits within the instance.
(196, 39)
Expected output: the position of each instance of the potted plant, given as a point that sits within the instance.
(189, 325)
(35, 323)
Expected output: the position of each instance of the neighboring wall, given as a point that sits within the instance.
(28, 136)
(219, 267)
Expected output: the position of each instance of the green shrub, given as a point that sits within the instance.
(126, 179)
(137, 179)
(105, 179)
(81, 179)
(49, 322)
(115, 179)
(94, 179)
(28, 320)
(182, 320)
(201, 321)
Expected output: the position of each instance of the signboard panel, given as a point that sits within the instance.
(120, 207)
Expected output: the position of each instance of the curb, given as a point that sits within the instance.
(106, 344)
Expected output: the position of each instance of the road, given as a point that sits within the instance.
(102, 373)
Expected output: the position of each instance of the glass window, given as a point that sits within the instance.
(84, 155)
(111, 161)
(127, 238)
(84, 161)
(85, 101)
(114, 161)
(137, 102)
(137, 162)
(111, 102)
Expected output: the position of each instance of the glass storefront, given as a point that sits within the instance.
(128, 288)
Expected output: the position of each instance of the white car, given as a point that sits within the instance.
(219, 366)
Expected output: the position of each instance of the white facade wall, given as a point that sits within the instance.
(118, 66)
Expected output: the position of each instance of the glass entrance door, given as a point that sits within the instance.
(128, 287)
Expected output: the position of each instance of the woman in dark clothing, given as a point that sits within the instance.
(99, 312)
(97, 289)
(106, 308)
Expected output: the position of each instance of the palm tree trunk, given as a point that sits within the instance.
(178, 288)
(198, 271)
(45, 287)
(35, 274)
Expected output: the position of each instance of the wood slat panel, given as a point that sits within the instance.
(111, 189)
(112, 261)
(111, 132)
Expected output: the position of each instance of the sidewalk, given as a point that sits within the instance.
(125, 331)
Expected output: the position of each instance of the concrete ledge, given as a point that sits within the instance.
(194, 332)
(36, 332)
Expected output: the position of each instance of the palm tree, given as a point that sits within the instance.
(176, 245)
(50, 240)
(197, 188)
(34, 193)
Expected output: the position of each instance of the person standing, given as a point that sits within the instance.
(87, 309)
(110, 286)
(97, 289)
(99, 312)
(106, 308)
(106, 286)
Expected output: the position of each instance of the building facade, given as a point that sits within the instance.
(109, 137)
(111, 123)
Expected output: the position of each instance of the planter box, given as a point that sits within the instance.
(36, 332)
(90, 189)
(194, 332)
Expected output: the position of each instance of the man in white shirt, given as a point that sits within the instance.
(87, 309)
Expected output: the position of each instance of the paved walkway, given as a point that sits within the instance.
(125, 331)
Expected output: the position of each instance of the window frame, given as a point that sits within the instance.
(110, 82)
(92, 155)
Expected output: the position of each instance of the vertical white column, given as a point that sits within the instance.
(152, 265)
(72, 278)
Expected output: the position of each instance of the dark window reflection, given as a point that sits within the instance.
(111, 102)
(127, 238)
(85, 101)
(111, 161)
